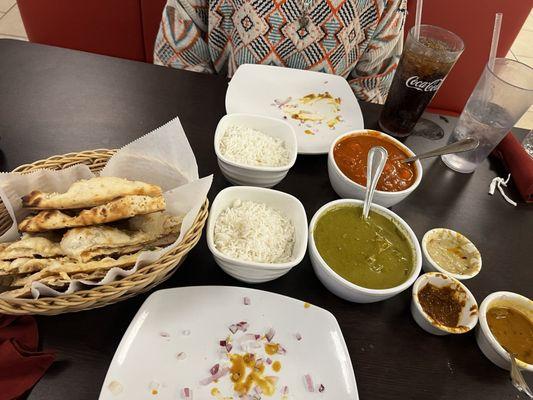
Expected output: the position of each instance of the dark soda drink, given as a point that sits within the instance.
(424, 65)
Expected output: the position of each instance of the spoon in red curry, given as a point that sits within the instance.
(456, 147)
(376, 159)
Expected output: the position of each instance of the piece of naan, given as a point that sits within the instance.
(30, 246)
(157, 229)
(90, 193)
(69, 267)
(55, 282)
(121, 208)
(27, 265)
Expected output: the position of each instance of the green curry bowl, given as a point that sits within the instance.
(360, 260)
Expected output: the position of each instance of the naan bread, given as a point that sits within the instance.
(55, 282)
(26, 265)
(157, 229)
(90, 193)
(68, 267)
(121, 208)
(30, 247)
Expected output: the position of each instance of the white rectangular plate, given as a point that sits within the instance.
(146, 366)
(254, 88)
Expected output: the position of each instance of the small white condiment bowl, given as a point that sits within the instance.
(430, 265)
(287, 205)
(346, 289)
(469, 313)
(252, 175)
(348, 189)
(484, 337)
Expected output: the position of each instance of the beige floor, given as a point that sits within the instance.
(522, 50)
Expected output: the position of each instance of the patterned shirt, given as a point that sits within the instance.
(360, 40)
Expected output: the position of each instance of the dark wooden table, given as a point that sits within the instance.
(54, 101)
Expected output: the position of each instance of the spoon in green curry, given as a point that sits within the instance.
(377, 157)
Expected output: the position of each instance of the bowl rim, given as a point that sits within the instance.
(363, 132)
(438, 267)
(352, 286)
(426, 278)
(253, 264)
(484, 326)
(221, 157)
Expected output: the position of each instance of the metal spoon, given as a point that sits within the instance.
(456, 147)
(517, 378)
(376, 159)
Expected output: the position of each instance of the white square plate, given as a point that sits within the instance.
(193, 320)
(254, 88)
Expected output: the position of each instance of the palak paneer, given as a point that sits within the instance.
(373, 253)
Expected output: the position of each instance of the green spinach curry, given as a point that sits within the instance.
(372, 253)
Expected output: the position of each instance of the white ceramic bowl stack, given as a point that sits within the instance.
(240, 174)
(484, 337)
(342, 287)
(289, 206)
(469, 313)
(348, 189)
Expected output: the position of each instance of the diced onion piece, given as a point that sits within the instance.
(281, 349)
(309, 383)
(243, 326)
(246, 338)
(285, 390)
(269, 361)
(214, 369)
(221, 372)
(233, 328)
(228, 347)
(246, 301)
(270, 334)
(186, 393)
(321, 388)
(298, 336)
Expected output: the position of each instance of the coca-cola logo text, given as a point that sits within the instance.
(415, 82)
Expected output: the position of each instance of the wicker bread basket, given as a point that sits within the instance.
(141, 281)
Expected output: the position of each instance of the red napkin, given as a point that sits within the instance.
(519, 164)
(21, 365)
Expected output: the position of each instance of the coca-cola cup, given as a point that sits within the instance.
(424, 64)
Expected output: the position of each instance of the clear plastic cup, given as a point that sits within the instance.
(502, 95)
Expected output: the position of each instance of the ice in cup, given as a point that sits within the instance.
(502, 95)
(424, 65)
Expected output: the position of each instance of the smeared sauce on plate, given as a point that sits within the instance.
(245, 372)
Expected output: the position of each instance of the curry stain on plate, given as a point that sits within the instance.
(271, 348)
(243, 382)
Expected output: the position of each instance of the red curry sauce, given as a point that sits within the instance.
(351, 153)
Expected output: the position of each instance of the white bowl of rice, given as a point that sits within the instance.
(256, 234)
(255, 150)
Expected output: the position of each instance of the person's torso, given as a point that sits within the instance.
(331, 39)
